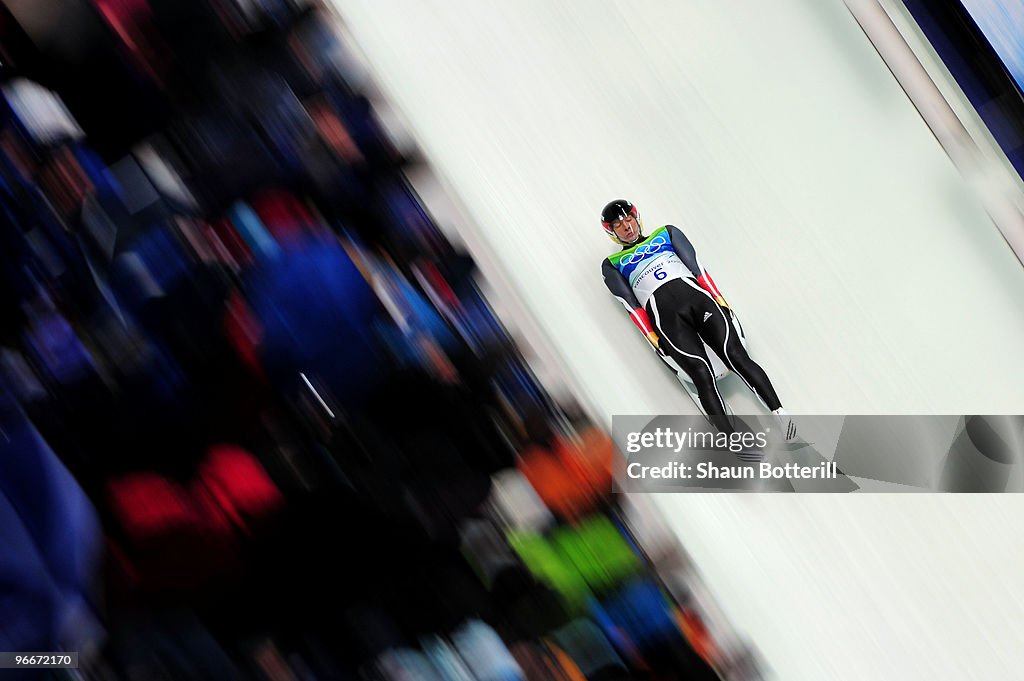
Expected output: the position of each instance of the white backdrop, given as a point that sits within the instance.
(868, 278)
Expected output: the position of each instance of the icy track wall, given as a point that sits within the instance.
(867, 274)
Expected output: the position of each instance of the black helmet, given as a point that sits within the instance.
(617, 210)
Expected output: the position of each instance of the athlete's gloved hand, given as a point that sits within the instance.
(708, 284)
(656, 342)
(653, 339)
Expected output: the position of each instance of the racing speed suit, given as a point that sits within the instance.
(674, 301)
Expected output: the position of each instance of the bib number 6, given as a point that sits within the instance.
(660, 274)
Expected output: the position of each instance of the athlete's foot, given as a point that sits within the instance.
(786, 423)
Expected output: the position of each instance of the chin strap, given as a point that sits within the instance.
(640, 237)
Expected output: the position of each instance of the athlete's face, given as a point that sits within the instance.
(627, 229)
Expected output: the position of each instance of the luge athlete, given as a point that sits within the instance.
(675, 303)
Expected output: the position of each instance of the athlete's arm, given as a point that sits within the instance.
(684, 249)
(621, 289)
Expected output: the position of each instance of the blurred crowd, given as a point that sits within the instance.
(256, 419)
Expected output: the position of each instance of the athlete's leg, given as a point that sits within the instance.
(718, 331)
(680, 341)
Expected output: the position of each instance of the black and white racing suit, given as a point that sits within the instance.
(675, 302)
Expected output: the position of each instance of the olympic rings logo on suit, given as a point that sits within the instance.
(643, 251)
